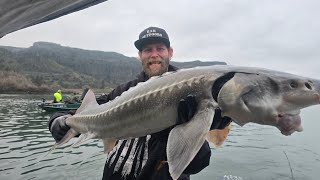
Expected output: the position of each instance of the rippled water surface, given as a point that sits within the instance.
(252, 152)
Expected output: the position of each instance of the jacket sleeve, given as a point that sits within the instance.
(200, 161)
(58, 114)
(116, 92)
(220, 122)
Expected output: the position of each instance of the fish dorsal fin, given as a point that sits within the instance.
(88, 100)
(218, 136)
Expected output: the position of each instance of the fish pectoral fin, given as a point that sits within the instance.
(108, 144)
(66, 138)
(185, 140)
(69, 135)
(83, 138)
(218, 136)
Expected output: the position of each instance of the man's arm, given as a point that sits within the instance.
(57, 122)
(116, 92)
(59, 128)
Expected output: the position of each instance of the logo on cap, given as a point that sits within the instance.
(151, 33)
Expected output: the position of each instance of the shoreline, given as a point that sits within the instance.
(64, 91)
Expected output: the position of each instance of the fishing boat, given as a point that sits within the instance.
(71, 102)
(55, 107)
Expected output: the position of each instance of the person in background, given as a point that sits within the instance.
(84, 92)
(142, 158)
(71, 99)
(57, 96)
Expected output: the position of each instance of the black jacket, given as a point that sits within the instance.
(154, 168)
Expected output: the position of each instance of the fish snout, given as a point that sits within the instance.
(303, 93)
(314, 85)
(289, 123)
(305, 84)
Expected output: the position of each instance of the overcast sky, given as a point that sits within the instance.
(275, 34)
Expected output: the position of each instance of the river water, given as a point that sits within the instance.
(252, 152)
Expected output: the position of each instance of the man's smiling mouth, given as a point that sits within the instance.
(154, 62)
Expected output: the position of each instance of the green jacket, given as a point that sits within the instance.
(57, 97)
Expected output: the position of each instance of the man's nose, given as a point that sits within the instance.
(154, 52)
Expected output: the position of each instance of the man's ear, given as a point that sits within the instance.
(139, 53)
(170, 53)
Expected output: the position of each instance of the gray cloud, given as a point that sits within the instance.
(276, 34)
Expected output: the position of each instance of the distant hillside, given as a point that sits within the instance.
(54, 66)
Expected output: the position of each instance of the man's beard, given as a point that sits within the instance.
(159, 71)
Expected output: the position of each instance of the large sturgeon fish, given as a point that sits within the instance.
(246, 94)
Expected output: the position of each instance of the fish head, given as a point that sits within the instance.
(268, 98)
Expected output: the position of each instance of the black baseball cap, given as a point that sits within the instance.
(152, 34)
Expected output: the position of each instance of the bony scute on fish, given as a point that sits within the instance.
(246, 94)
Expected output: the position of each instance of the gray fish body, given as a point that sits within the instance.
(146, 108)
(251, 95)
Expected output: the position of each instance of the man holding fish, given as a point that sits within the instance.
(145, 157)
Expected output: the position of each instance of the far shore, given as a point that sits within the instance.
(64, 91)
